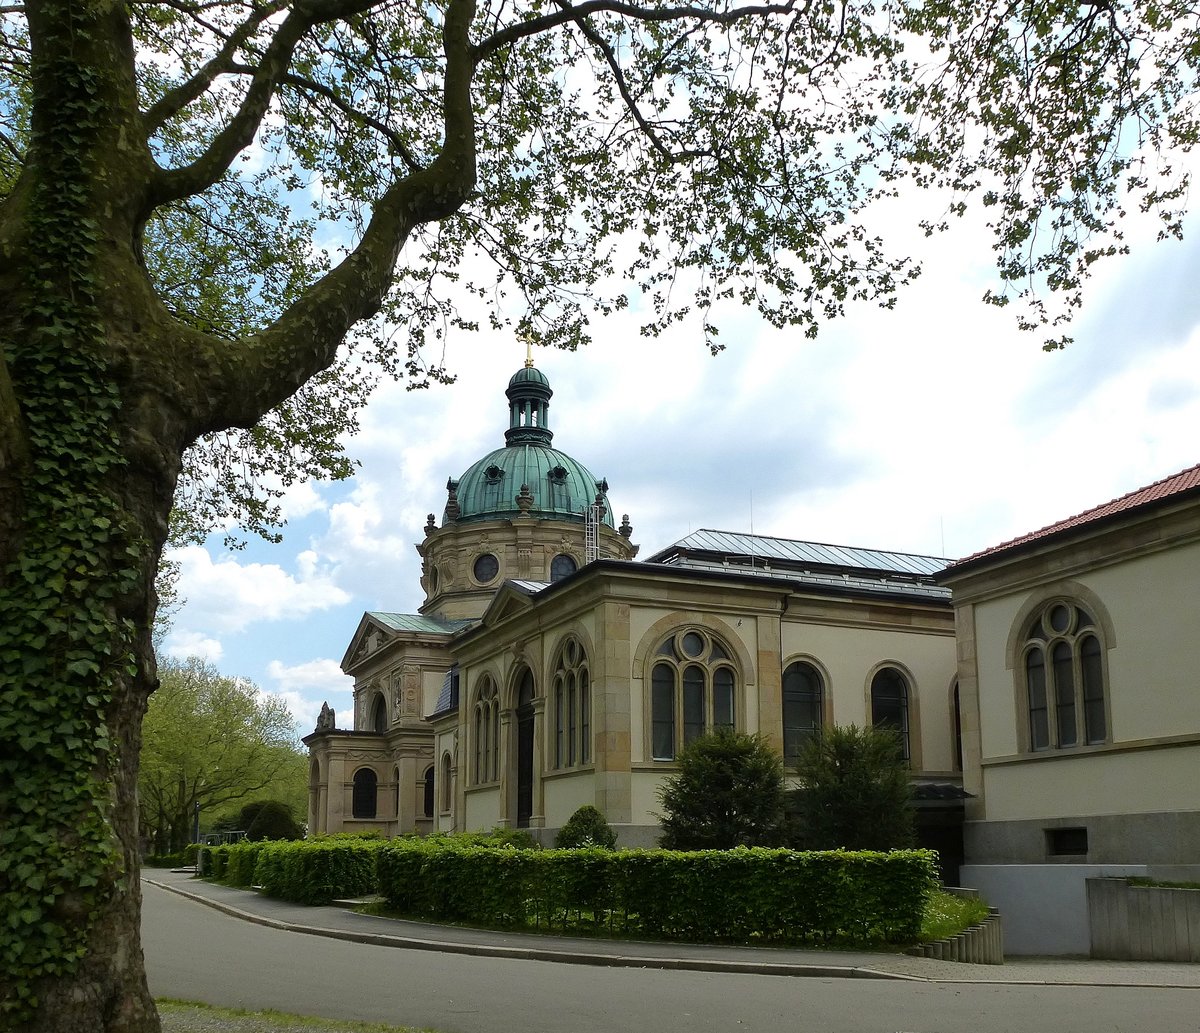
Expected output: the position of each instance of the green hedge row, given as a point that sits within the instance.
(770, 896)
(303, 871)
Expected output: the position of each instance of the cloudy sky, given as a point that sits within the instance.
(935, 428)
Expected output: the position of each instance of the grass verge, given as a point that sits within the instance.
(191, 1017)
(947, 915)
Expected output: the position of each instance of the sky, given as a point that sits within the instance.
(934, 428)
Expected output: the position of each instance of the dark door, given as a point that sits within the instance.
(524, 766)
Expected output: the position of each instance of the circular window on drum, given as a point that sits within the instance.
(486, 568)
(562, 566)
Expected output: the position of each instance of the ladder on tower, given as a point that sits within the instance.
(591, 533)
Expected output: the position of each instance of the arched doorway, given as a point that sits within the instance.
(525, 750)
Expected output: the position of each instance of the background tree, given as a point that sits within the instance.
(264, 819)
(729, 792)
(209, 740)
(854, 792)
(173, 318)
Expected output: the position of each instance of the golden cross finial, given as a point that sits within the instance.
(528, 339)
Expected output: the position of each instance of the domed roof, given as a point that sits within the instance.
(561, 487)
(529, 375)
(527, 474)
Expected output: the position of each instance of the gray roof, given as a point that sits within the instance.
(418, 623)
(840, 567)
(531, 587)
(737, 546)
(919, 588)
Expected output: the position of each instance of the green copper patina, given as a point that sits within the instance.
(559, 487)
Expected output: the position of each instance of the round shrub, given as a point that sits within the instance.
(586, 828)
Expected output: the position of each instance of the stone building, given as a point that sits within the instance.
(547, 668)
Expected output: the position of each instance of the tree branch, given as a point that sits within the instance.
(252, 376)
(239, 132)
(505, 37)
(174, 101)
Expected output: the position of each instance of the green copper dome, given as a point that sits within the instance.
(527, 473)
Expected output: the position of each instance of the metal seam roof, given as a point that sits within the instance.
(736, 545)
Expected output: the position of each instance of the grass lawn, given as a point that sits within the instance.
(189, 1017)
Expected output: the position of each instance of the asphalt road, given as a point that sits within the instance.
(196, 953)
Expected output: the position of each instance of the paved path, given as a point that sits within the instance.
(196, 952)
(342, 923)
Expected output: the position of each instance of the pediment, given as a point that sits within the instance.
(370, 637)
(508, 601)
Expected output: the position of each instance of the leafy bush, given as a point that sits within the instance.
(586, 828)
(269, 819)
(729, 792)
(854, 792)
(742, 895)
(317, 871)
(176, 860)
(241, 861)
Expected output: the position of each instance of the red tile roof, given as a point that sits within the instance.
(1177, 484)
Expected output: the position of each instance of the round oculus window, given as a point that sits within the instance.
(486, 568)
(562, 566)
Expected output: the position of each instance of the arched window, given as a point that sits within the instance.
(366, 793)
(486, 732)
(572, 707)
(1064, 678)
(429, 797)
(693, 689)
(379, 714)
(889, 705)
(803, 708)
(562, 566)
(447, 792)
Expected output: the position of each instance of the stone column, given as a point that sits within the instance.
(611, 692)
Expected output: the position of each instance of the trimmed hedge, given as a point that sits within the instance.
(315, 871)
(742, 895)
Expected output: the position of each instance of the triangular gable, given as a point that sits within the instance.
(370, 636)
(511, 598)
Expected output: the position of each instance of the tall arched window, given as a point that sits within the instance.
(486, 732)
(428, 799)
(889, 705)
(572, 707)
(379, 714)
(693, 690)
(447, 791)
(366, 793)
(803, 708)
(1064, 678)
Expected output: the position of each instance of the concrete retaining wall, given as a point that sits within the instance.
(1143, 923)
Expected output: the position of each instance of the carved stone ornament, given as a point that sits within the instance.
(325, 720)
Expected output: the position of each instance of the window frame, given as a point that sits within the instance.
(820, 701)
(1062, 677)
(909, 726)
(485, 734)
(690, 665)
(572, 700)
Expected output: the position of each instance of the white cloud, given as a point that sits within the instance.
(305, 686)
(224, 595)
(182, 644)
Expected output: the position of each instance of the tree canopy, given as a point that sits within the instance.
(728, 792)
(854, 792)
(221, 220)
(209, 741)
